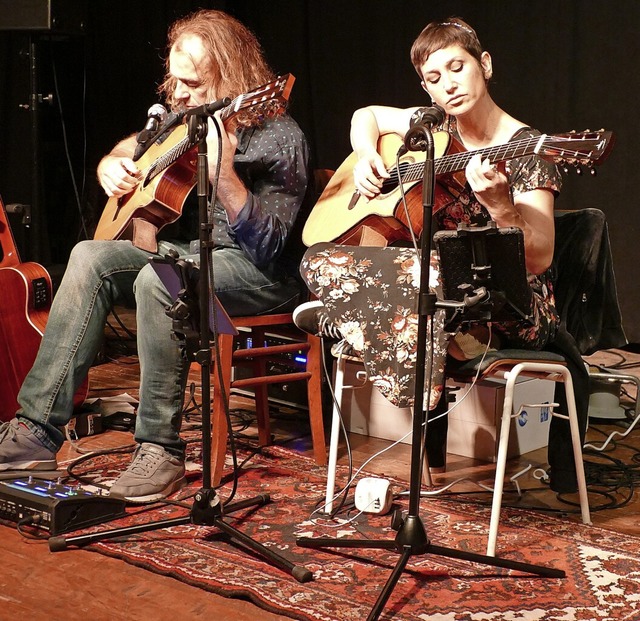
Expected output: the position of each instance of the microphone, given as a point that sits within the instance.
(156, 115)
(209, 108)
(433, 115)
(422, 121)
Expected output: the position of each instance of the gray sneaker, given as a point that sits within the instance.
(20, 449)
(153, 474)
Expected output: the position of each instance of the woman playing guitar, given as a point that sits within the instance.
(455, 71)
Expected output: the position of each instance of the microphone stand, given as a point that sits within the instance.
(412, 539)
(207, 508)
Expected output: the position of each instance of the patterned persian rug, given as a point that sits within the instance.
(602, 568)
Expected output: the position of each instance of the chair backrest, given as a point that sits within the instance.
(584, 280)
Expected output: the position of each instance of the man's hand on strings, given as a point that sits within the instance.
(118, 175)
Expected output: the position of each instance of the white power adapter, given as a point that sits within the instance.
(373, 495)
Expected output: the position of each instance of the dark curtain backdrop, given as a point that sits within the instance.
(557, 65)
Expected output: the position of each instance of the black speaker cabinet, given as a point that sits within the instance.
(53, 16)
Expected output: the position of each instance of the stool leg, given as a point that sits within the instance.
(577, 447)
(501, 464)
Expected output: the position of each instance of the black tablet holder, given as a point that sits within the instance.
(484, 269)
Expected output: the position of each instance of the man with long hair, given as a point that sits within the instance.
(262, 173)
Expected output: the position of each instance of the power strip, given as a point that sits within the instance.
(373, 495)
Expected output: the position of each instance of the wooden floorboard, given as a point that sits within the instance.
(37, 584)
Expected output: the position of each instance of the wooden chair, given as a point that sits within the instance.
(257, 358)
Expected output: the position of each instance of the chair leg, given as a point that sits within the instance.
(219, 427)
(314, 396)
(261, 392)
(338, 388)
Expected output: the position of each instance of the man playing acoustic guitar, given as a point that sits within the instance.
(262, 181)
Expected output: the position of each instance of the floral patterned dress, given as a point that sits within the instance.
(371, 294)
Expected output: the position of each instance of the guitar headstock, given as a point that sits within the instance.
(265, 101)
(578, 149)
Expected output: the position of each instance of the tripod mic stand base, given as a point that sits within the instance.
(205, 511)
(412, 540)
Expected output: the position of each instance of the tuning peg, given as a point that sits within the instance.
(593, 172)
(578, 170)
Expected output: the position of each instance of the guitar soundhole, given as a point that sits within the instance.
(389, 185)
(40, 293)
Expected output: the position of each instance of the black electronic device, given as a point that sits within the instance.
(287, 394)
(48, 16)
(60, 508)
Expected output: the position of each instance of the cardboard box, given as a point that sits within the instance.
(367, 412)
(474, 423)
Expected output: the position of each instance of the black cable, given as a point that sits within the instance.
(32, 521)
(66, 142)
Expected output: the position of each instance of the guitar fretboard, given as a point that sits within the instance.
(458, 161)
(171, 156)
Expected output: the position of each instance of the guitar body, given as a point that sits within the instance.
(24, 310)
(23, 315)
(384, 214)
(156, 199)
(342, 216)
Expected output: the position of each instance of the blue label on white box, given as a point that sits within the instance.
(544, 414)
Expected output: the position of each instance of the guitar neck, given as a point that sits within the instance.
(458, 161)
(275, 92)
(172, 155)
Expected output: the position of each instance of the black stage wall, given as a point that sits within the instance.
(557, 65)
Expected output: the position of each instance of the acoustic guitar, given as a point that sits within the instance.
(169, 169)
(341, 215)
(24, 310)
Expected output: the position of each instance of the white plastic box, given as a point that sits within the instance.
(367, 412)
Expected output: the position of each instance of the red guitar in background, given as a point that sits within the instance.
(25, 300)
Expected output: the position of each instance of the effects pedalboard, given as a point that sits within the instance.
(59, 508)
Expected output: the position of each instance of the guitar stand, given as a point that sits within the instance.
(190, 314)
(412, 539)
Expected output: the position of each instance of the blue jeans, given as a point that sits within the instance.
(101, 274)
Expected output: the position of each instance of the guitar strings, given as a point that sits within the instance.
(458, 161)
(163, 162)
